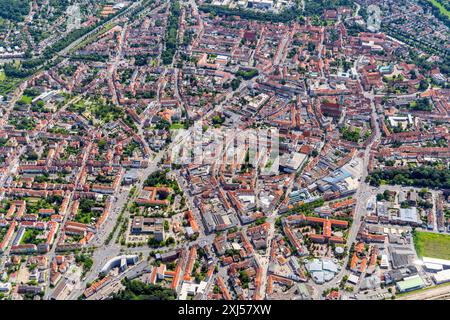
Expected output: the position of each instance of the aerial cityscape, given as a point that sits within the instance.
(224, 150)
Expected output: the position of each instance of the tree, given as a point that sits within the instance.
(101, 143)
(247, 74)
(217, 119)
(14, 9)
(171, 35)
(137, 290)
(350, 135)
(423, 85)
(166, 225)
(260, 221)
(285, 16)
(235, 83)
(425, 176)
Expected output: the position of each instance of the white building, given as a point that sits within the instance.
(260, 4)
(442, 276)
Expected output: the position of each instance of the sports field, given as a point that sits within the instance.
(432, 245)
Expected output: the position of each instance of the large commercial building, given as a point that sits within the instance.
(410, 284)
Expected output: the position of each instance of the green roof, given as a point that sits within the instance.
(410, 283)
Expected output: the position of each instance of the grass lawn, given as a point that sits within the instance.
(432, 245)
(29, 237)
(98, 109)
(26, 99)
(175, 126)
(7, 84)
(86, 217)
(90, 39)
(32, 199)
(85, 213)
(441, 8)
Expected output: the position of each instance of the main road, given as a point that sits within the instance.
(364, 191)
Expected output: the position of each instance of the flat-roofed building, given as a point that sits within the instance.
(148, 225)
(410, 284)
(441, 276)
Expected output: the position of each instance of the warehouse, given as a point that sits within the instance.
(445, 263)
(441, 276)
(432, 267)
(410, 284)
